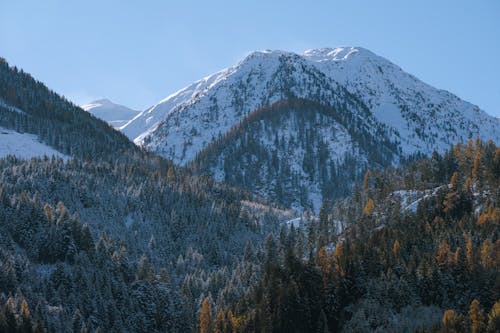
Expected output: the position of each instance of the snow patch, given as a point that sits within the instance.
(24, 145)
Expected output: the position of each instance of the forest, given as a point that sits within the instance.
(391, 268)
(116, 239)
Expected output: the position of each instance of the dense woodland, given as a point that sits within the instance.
(114, 239)
(111, 238)
(289, 150)
(390, 269)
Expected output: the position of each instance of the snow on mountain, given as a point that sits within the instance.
(24, 145)
(419, 118)
(115, 114)
(425, 117)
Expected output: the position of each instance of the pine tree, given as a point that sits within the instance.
(25, 319)
(3, 322)
(396, 247)
(146, 270)
(323, 226)
(366, 182)
(322, 326)
(443, 258)
(10, 315)
(219, 322)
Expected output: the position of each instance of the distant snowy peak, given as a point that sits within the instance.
(115, 114)
(420, 118)
(338, 53)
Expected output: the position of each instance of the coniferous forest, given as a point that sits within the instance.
(112, 238)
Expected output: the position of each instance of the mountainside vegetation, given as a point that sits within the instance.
(114, 239)
(296, 152)
(27, 105)
(390, 269)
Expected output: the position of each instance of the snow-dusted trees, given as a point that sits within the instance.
(434, 269)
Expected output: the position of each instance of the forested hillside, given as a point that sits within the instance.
(27, 105)
(394, 267)
(114, 239)
(296, 152)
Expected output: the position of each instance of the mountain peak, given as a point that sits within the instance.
(115, 114)
(260, 55)
(98, 103)
(103, 101)
(338, 53)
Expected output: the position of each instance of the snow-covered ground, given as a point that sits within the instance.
(24, 145)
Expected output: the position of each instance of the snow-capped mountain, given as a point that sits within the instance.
(299, 127)
(420, 118)
(114, 114)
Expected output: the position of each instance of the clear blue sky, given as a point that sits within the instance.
(138, 52)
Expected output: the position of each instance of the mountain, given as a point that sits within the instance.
(422, 118)
(377, 115)
(114, 114)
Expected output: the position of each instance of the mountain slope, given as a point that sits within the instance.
(433, 269)
(421, 118)
(114, 114)
(426, 118)
(295, 152)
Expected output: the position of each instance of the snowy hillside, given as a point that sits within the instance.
(421, 118)
(24, 145)
(115, 114)
(425, 117)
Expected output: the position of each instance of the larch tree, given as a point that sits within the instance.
(477, 318)
(494, 318)
(206, 317)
